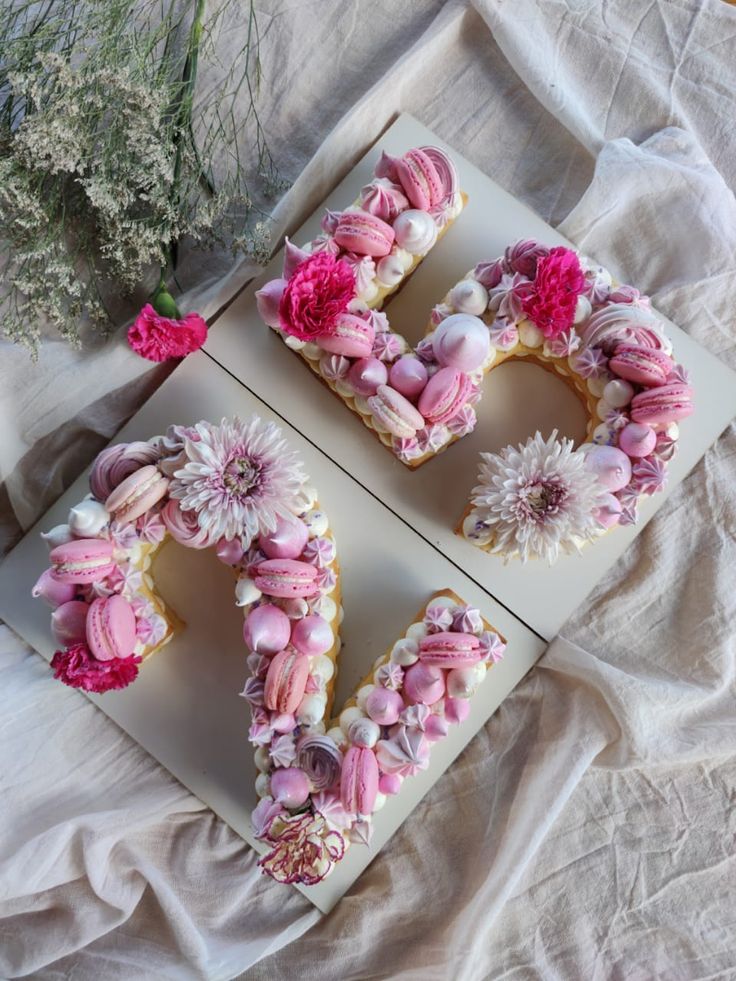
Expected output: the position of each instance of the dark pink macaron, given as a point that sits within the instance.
(361, 232)
(446, 393)
(286, 578)
(111, 628)
(641, 365)
(450, 650)
(81, 561)
(658, 406)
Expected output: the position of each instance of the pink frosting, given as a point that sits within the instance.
(384, 199)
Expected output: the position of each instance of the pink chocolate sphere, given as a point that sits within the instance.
(366, 375)
(609, 512)
(266, 630)
(384, 706)
(287, 541)
(637, 440)
(424, 683)
(290, 787)
(408, 376)
(312, 635)
(229, 552)
(610, 465)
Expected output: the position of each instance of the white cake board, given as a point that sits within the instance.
(184, 707)
(518, 398)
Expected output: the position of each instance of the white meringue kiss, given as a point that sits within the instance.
(415, 231)
(88, 518)
(469, 296)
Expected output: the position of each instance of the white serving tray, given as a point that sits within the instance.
(518, 398)
(184, 707)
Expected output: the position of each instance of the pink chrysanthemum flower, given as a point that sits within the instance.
(238, 478)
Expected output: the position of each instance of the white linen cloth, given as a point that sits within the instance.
(588, 830)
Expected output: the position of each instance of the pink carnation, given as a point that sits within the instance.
(79, 668)
(552, 301)
(160, 338)
(315, 296)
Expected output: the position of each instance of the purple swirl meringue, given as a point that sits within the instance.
(491, 646)
(650, 475)
(407, 448)
(333, 367)
(390, 675)
(563, 345)
(117, 462)
(467, 620)
(591, 362)
(387, 347)
(319, 551)
(438, 619)
(622, 323)
(282, 750)
(522, 257)
(253, 692)
(506, 299)
(432, 438)
(406, 753)
(324, 243)
(464, 422)
(320, 759)
(364, 270)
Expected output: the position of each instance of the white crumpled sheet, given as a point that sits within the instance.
(589, 830)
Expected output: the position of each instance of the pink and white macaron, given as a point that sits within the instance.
(82, 561)
(668, 403)
(286, 682)
(358, 231)
(450, 650)
(420, 179)
(351, 337)
(111, 628)
(137, 494)
(395, 413)
(286, 578)
(359, 780)
(446, 393)
(641, 365)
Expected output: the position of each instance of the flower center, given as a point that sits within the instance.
(541, 497)
(240, 476)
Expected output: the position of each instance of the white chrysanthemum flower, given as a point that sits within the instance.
(238, 477)
(538, 499)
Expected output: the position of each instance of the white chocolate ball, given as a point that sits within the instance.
(363, 694)
(618, 393)
(263, 785)
(348, 716)
(364, 732)
(530, 334)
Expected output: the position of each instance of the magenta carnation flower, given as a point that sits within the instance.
(315, 296)
(79, 668)
(160, 338)
(558, 284)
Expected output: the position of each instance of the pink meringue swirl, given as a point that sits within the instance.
(117, 462)
(384, 199)
(320, 759)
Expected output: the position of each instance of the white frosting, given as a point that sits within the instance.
(530, 334)
(362, 695)
(338, 737)
(311, 709)
(364, 732)
(390, 270)
(262, 759)
(583, 310)
(469, 531)
(88, 518)
(293, 342)
(348, 716)
(417, 630)
(263, 785)
(469, 296)
(415, 231)
(618, 393)
(405, 652)
(596, 386)
(58, 535)
(322, 667)
(246, 592)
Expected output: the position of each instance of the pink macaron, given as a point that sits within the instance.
(266, 630)
(352, 337)
(312, 635)
(658, 406)
(286, 682)
(286, 578)
(395, 413)
(366, 375)
(424, 683)
(446, 393)
(137, 494)
(359, 780)
(450, 650)
(408, 376)
(358, 231)
(82, 561)
(641, 365)
(111, 627)
(286, 541)
(69, 623)
(420, 179)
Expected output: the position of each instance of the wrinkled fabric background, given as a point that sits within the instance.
(589, 830)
